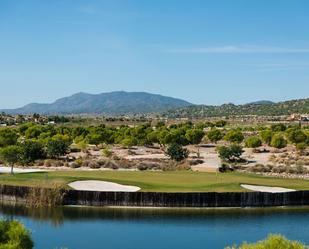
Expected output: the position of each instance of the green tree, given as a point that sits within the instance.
(278, 127)
(31, 151)
(296, 136)
(33, 132)
(272, 242)
(8, 137)
(253, 142)
(266, 136)
(13, 235)
(56, 148)
(177, 152)
(220, 123)
(214, 135)
(11, 155)
(234, 136)
(230, 153)
(177, 135)
(95, 139)
(195, 136)
(278, 141)
(129, 142)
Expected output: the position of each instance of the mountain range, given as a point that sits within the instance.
(111, 103)
(128, 103)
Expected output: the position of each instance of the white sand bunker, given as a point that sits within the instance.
(102, 186)
(20, 170)
(266, 189)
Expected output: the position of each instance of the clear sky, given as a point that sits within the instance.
(204, 51)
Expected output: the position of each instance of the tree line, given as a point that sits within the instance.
(29, 142)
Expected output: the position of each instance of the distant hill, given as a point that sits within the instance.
(112, 103)
(260, 109)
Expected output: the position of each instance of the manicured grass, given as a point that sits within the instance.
(176, 181)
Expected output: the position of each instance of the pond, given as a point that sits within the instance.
(132, 228)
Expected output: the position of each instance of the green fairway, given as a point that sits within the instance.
(176, 181)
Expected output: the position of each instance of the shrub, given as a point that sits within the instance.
(106, 152)
(79, 161)
(11, 155)
(56, 148)
(148, 166)
(279, 169)
(278, 141)
(184, 165)
(196, 162)
(220, 123)
(300, 169)
(8, 137)
(125, 164)
(225, 168)
(94, 165)
(253, 142)
(301, 146)
(230, 153)
(53, 163)
(31, 151)
(13, 235)
(177, 152)
(129, 142)
(111, 165)
(45, 197)
(261, 168)
(272, 242)
(214, 135)
(234, 136)
(278, 127)
(296, 136)
(266, 136)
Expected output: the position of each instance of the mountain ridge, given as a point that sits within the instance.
(113, 103)
(300, 106)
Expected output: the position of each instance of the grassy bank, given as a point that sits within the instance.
(176, 181)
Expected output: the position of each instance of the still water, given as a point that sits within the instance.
(120, 228)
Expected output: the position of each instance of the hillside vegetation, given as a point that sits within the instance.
(259, 109)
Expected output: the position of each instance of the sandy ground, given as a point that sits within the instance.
(256, 158)
(19, 170)
(211, 160)
(266, 189)
(149, 156)
(102, 186)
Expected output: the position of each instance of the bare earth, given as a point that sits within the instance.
(211, 160)
(102, 186)
(266, 189)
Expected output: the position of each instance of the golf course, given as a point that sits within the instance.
(170, 181)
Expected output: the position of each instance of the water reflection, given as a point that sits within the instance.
(134, 228)
(58, 215)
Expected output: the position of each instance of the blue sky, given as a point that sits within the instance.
(203, 51)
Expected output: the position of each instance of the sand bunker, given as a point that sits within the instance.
(19, 170)
(266, 189)
(102, 186)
